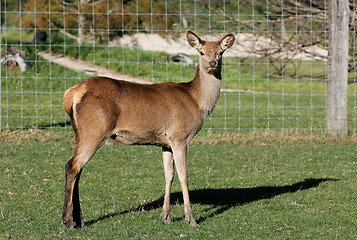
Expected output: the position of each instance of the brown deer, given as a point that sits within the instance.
(167, 114)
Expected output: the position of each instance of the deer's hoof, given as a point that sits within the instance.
(193, 223)
(167, 218)
(68, 223)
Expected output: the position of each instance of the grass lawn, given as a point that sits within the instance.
(262, 186)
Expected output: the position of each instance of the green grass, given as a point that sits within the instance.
(262, 186)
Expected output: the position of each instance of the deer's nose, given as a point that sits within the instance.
(212, 63)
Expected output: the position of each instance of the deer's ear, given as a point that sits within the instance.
(194, 40)
(227, 41)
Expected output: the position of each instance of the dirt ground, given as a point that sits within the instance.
(246, 45)
(87, 67)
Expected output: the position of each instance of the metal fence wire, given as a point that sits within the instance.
(275, 77)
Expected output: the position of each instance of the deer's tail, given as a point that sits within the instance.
(68, 102)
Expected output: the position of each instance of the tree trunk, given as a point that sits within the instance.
(80, 23)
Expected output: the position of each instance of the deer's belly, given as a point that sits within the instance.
(143, 138)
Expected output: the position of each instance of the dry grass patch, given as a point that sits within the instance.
(272, 138)
(33, 136)
(286, 138)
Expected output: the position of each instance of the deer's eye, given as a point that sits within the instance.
(202, 53)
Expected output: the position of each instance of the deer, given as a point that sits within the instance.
(167, 115)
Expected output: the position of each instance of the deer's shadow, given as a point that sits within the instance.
(224, 198)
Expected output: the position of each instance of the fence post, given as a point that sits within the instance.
(336, 99)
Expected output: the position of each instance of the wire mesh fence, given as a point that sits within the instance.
(274, 77)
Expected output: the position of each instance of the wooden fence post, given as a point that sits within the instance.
(336, 99)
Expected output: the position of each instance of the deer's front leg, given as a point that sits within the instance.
(180, 154)
(169, 175)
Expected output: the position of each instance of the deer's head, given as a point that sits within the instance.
(210, 52)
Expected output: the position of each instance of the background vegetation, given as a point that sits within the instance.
(101, 19)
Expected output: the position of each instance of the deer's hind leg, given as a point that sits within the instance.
(73, 172)
(88, 141)
(77, 213)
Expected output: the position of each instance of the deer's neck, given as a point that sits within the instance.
(206, 89)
